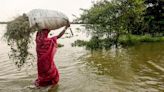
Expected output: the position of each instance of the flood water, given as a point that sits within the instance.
(134, 69)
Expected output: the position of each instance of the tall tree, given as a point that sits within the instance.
(154, 17)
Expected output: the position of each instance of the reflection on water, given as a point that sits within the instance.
(135, 69)
(139, 68)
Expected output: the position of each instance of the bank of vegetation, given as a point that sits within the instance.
(123, 22)
(3, 22)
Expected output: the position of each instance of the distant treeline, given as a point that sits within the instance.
(3, 22)
(77, 23)
(74, 22)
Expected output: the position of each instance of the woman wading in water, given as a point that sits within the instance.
(46, 48)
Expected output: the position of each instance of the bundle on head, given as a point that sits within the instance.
(18, 36)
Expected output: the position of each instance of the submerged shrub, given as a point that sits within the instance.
(79, 43)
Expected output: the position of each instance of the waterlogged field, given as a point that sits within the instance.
(139, 68)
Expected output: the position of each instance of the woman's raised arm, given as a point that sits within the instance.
(61, 33)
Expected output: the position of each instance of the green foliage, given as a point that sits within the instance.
(110, 20)
(124, 40)
(79, 43)
(94, 43)
(127, 40)
(115, 16)
(60, 45)
(154, 17)
(19, 36)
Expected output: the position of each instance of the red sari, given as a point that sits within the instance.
(46, 49)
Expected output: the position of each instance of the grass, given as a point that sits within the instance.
(135, 39)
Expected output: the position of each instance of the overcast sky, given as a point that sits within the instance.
(12, 8)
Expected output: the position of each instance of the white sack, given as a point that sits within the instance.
(47, 19)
